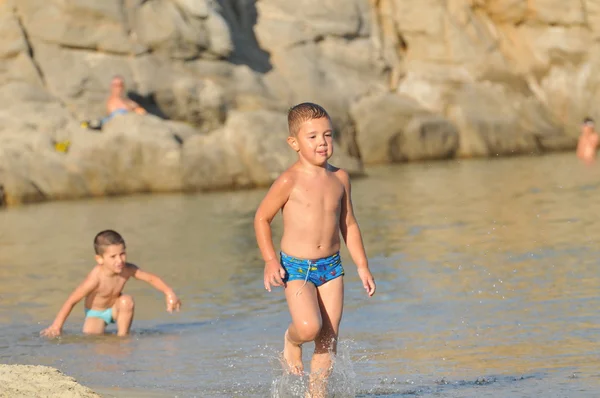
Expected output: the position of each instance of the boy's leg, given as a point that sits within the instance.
(93, 325)
(331, 303)
(123, 314)
(306, 321)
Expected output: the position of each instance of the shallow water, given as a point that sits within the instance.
(487, 287)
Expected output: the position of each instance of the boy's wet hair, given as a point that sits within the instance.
(303, 112)
(107, 238)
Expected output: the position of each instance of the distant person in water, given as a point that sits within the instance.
(102, 290)
(118, 103)
(314, 199)
(588, 142)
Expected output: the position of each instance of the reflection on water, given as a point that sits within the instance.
(486, 271)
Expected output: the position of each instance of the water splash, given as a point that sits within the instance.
(341, 384)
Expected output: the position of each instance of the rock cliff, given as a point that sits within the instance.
(404, 80)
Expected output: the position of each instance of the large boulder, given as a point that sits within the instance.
(284, 24)
(133, 153)
(250, 150)
(571, 92)
(182, 29)
(177, 29)
(425, 137)
(394, 128)
(493, 121)
(27, 109)
(200, 102)
(31, 170)
(81, 24)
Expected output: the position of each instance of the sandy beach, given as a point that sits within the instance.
(39, 381)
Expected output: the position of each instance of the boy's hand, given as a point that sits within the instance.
(274, 274)
(51, 331)
(173, 303)
(367, 280)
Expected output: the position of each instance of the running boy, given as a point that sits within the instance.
(103, 287)
(316, 206)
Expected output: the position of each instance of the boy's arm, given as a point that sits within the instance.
(86, 287)
(173, 303)
(273, 201)
(351, 234)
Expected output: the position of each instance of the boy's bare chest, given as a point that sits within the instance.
(325, 195)
(111, 287)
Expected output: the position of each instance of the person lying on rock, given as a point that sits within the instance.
(102, 290)
(118, 103)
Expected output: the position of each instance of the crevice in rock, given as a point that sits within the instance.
(298, 43)
(30, 49)
(361, 22)
(2, 196)
(128, 10)
(586, 21)
(320, 38)
(315, 40)
(352, 147)
(148, 102)
(125, 16)
(178, 139)
(182, 14)
(40, 193)
(241, 17)
(96, 50)
(390, 45)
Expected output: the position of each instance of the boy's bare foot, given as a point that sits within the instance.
(292, 355)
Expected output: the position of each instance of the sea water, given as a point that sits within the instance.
(487, 286)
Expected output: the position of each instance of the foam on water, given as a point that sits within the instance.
(341, 383)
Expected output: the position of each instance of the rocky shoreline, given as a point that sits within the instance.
(403, 80)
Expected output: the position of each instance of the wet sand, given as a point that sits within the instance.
(31, 381)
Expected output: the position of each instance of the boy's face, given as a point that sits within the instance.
(314, 141)
(113, 258)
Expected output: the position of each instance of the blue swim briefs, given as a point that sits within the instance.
(119, 111)
(316, 271)
(105, 315)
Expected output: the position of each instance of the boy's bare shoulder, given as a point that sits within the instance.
(341, 174)
(288, 177)
(95, 271)
(94, 275)
(130, 268)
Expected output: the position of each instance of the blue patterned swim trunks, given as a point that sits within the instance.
(105, 315)
(316, 271)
